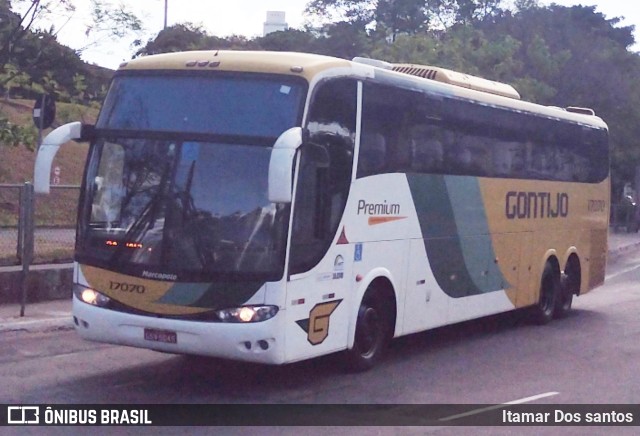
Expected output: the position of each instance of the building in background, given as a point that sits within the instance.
(275, 22)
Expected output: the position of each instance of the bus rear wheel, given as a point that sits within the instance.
(372, 334)
(569, 286)
(563, 304)
(544, 311)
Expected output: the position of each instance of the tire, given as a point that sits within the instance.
(564, 300)
(569, 286)
(544, 311)
(372, 334)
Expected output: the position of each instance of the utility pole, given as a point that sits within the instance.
(166, 5)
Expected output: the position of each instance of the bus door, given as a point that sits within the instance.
(319, 259)
(320, 264)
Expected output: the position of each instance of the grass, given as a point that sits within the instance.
(16, 163)
(57, 209)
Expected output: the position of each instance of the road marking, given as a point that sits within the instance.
(619, 273)
(498, 406)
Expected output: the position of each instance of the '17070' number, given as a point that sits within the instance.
(126, 287)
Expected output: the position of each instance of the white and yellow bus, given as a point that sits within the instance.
(274, 207)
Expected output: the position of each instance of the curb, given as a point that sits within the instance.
(614, 255)
(37, 325)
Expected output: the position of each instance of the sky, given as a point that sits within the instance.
(242, 17)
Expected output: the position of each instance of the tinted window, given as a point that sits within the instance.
(411, 131)
(195, 209)
(221, 104)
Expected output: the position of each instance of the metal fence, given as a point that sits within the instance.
(54, 217)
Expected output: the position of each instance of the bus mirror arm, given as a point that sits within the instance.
(281, 165)
(49, 147)
(87, 133)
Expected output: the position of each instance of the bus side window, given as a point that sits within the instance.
(427, 151)
(373, 154)
(384, 141)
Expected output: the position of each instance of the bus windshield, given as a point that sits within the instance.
(176, 186)
(189, 209)
(219, 104)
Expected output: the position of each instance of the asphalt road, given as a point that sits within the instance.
(590, 357)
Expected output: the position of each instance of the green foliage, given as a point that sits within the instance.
(15, 135)
(576, 57)
(180, 37)
(290, 40)
(417, 49)
(53, 87)
(402, 16)
(79, 88)
(69, 112)
(533, 90)
(113, 20)
(344, 41)
(357, 12)
(34, 62)
(13, 78)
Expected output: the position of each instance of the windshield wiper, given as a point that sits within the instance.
(147, 218)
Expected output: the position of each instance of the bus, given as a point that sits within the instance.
(274, 207)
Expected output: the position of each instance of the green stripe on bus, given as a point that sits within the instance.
(475, 236)
(218, 295)
(456, 234)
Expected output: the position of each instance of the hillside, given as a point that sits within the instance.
(16, 167)
(16, 163)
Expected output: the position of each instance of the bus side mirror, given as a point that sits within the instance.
(49, 147)
(281, 165)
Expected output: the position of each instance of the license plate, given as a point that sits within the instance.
(166, 336)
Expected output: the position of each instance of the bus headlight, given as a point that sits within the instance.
(90, 296)
(247, 313)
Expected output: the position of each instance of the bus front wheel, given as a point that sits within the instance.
(372, 334)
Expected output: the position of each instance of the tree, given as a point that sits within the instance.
(402, 16)
(574, 56)
(179, 37)
(31, 56)
(289, 40)
(23, 43)
(468, 11)
(356, 12)
(416, 49)
(405, 16)
(79, 88)
(15, 27)
(188, 36)
(12, 78)
(21, 16)
(52, 87)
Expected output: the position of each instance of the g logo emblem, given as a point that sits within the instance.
(317, 325)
